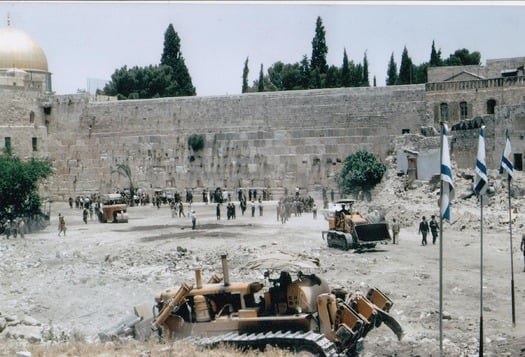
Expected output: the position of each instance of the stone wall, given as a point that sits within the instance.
(274, 140)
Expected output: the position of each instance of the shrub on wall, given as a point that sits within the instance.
(196, 142)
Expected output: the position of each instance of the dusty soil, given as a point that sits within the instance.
(89, 280)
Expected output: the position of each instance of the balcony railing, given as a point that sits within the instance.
(476, 84)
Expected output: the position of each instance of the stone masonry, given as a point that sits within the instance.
(273, 140)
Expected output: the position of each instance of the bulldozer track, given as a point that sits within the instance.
(309, 341)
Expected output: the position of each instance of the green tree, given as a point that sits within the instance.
(405, 70)
(365, 82)
(319, 48)
(361, 171)
(419, 73)
(463, 57)
(245, 72)
(316, 79)
(196, 142)
(304, 69)
(260, 86)
(172, 57)
(391, 74)
(356, 74)
(345, 71)
(435, 57)
(332, 79)
(124, 170)
(19, 182)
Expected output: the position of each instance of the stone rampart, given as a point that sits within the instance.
(267, 139)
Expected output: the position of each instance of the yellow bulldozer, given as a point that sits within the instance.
(349, 229)
(301, 314)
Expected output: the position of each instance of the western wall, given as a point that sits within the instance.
(272, 140)
(261, 140)
(275, 140)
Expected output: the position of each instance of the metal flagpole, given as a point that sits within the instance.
(441, 252)
(511, 258)
(481, 281)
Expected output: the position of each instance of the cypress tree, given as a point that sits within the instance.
(245, 76)
(319, 48)
(405, 70)
(391, 73)
(435, 57)
(365, 82)
(172, 57)
(345, 71)
(260, 86)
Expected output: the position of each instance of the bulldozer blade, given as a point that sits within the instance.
(391, 322)
(373, 232)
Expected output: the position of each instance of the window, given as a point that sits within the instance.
(491, 104)
(7, 143)
(32, 117)
(34, 143)
(443, 111)
(463, 110)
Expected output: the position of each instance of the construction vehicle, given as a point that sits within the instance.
(348, 229)
(112, 209)
(301, 315)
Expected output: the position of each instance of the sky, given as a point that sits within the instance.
(85, 42)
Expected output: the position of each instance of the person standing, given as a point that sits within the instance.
(181, 209)
(218, 211)
(21, 226)
(522, 248)
(252, 205)
(193, 219)
(434, 227)
(61, 225)
(395, 231)
(85, 214)
(423, 230)
(260, 207)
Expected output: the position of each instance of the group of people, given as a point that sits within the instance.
(424, 227)
(14, 227)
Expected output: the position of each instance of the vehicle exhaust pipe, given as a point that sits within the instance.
(198, 278)
(225, 270)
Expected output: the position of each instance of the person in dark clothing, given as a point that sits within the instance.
(522, 248)
(434, 227)
(423, 230)
(218, 211)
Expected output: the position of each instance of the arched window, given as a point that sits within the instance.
(463, 110)
(491, 104)
(443, 111)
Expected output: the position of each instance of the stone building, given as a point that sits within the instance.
(274, 140)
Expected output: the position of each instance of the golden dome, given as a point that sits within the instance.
(18, 50)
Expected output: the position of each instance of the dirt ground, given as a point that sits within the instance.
(88, 281)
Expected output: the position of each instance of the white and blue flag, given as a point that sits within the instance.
(481, 182)
(447, 193)
(506, 158)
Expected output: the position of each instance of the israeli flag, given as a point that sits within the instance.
(506, 159)
(447, 193)
(481, 182)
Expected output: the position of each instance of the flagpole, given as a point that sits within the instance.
(511, 258)
(441, 251)
(481, 281)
